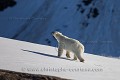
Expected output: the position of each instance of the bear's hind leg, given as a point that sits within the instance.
(67, 54)
(75, 58)
(79, 57)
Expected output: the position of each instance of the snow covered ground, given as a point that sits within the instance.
(32, 58)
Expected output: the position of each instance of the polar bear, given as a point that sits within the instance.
(70, 45)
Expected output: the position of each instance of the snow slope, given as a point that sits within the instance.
(32, 58)
(96, 25)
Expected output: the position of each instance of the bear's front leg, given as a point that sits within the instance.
(60, 51)
(60, 48)
(67, 54)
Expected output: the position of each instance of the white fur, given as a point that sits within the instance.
(70, 45)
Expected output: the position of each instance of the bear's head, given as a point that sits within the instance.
(56, 35)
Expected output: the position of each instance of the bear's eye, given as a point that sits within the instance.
(57, 33)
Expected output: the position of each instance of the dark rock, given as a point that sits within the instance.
(95, 13)
(87, 2)
(78, 7)
(6, 3)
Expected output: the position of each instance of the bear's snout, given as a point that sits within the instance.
(52, 32)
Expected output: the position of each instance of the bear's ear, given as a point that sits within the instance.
(58, 33)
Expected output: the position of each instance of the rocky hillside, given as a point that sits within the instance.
(12, 75)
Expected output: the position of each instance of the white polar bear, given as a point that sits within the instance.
(70, 45)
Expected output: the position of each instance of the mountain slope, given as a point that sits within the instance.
(93, 22)
(32, 58)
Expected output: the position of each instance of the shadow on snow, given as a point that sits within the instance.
(43, 54)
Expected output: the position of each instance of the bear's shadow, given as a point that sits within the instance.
(49, 55)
